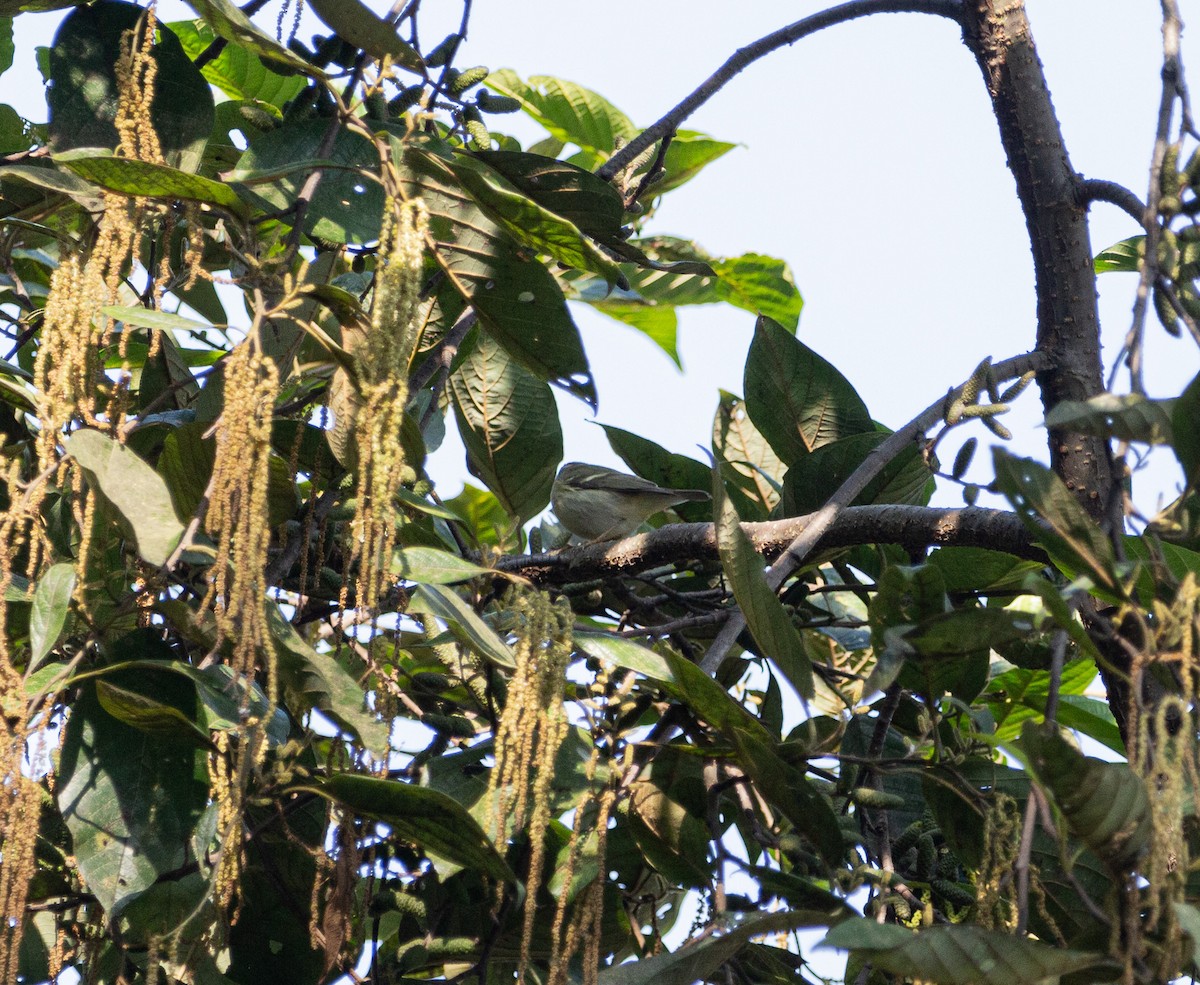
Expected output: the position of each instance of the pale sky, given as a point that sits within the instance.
(870, 162)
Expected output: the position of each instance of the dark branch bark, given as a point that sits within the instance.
(744, 57)
(998, 34)
(909, 526)
(1096, 190)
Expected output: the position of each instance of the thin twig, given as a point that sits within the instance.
(744, 57)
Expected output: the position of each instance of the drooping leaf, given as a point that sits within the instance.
(1056, 519)
(1124, 256)
(957, 955)
(429, 566)
(518, 301)
(652, 461)
(237, 71)
(470, 629)
(136, 491)
(132, 177)
(7, 48)
(1105, 804)
(228, 20)
(530, 223)
(700, 959)
(760, 284)
(317, 681)
(426, 817)
(766, 618)
(756, 749)
(814, 477)
(572, 113)
(1185, 434)
(1127, 417)
(590, 203)
(355, 22)
(509, 424)
(131, 800)
(83, 97)
(737, 442)
(51, 606)
(798, 400)
(346, 207)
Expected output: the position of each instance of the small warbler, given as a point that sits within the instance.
(598, 504)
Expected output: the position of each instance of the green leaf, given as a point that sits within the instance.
(7, 48)
(1125, 256)
(1057, 521)
(663, 468)
(52, 178)
(138, 178)
(766, 618)
(237, 71)
(570, 112)
(957, 955)
(146, 713)
(1105, 804)
(466, 625)
(1186, 436)
(698, 960)
(429, 566)
(234, 26)
(83, 97)
(353, 21)
(163, 321)
(131, 800)
(1127, 417)
(13, 138)
(509, 424)
(530, 223)
(814, 477)
(798, 400)
(760, 284)
(659, 324)
(757, 472)
(347, 205)
(48, 616)
(518, 301)
(316, 681)
(977, 569)
(420, 815)
(688, 155)
(780, 783)
(590, 203)
(136, 491)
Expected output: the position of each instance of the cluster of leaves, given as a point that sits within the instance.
(777, 823)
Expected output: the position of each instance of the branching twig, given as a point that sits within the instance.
(1096, 190)
(875, 462)
(744, 57)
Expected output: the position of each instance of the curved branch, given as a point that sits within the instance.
(1095, 190)
(744, 57)
(909, 526)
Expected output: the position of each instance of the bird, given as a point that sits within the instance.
(599, 503)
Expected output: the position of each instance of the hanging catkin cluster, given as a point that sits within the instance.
(237, 511)
(382, 354)
(531, 729)
(1164, 755)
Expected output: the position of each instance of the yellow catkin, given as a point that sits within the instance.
(237, 512)
(137, 71)
(1001, 844)
(382, 355)
(530, 732)
(20, 804)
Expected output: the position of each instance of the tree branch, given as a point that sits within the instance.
(744, 57)
(1095, 190)
(998, 33)
(909, 526)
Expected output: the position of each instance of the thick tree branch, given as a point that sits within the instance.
(998, 34)
(909, 526)
(744, 57)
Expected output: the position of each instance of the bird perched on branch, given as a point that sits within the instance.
(599, 503)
